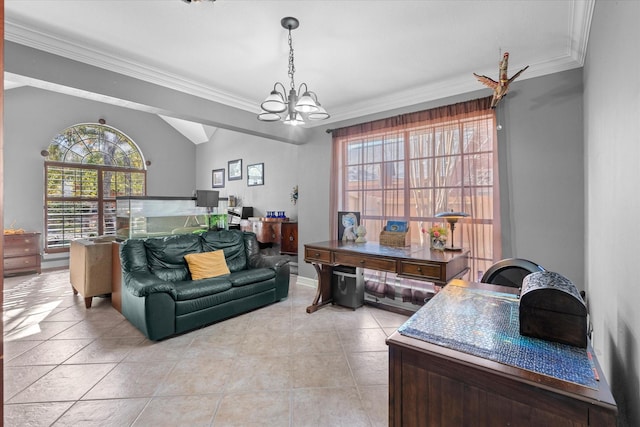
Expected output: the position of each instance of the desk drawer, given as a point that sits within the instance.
(356, 260)
(421, 270)
(317, 255)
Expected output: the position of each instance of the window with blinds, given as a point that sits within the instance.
(87, 167)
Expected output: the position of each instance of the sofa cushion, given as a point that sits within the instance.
(165, 255)
(247, 277)
(231, 242)
(191, 289)
(234, 294)
(206, 265)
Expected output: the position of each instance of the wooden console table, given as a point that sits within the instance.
(411, 262)
(431, 384)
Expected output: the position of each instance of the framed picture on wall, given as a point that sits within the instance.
(217, 178)
(255, 174)
(235, 170)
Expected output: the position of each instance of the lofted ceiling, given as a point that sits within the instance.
(360, 57)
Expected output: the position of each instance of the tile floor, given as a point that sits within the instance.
(276, 366)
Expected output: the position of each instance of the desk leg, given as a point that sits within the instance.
(323, 293)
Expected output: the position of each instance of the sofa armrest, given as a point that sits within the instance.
(144, 283)
(280, 264)
(268, 261)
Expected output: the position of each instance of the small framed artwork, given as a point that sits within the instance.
(255, 174)
(217, 178)
(347, 224)
(235, 170)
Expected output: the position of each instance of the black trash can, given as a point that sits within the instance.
(347, 286)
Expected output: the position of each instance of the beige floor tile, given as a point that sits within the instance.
(158, 351)
(321, 320)
(262, 408)
(375, 401)
(38, 331)
(196, 376)
(116, 412)
(273, 343)
(259, 373)
(16, 348)
(186, 411)
(328, 407)
(314, 342)
(216, 345)
(42, 414)
(106, 350)
(123, 329)
(359, 319)
(82, 330)
(321, 370)
(131, 380)
(17, 378)
(355, 340)
(370, 368)
(49, 353)
(65, 382)
(388, 319)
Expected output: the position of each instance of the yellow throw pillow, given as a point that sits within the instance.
(207, 264)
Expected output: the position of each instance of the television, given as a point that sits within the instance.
(207, 198)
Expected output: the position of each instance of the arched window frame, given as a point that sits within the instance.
(86, 167)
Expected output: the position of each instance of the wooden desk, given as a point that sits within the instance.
(411, 262)
(434, 385)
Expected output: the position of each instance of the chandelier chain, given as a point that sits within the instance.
(292, 68)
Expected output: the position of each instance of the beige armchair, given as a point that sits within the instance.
(90, 267)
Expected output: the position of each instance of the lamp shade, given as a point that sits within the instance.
(306, 104)
(452, 215)
(320, 114)
(274, 103)
(266, 116)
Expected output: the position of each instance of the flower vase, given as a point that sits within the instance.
(437, 244)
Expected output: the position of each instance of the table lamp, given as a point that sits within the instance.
(452, 218)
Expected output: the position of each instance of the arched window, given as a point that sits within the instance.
(86, 167)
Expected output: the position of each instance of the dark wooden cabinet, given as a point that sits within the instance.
(275, 231)
(435, 385)
(289, 238)
(21, 253)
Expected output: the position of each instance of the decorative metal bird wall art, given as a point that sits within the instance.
(500, 88)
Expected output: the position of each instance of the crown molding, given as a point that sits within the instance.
(20, 33)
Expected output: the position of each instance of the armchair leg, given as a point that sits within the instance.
(75, 292)
(87, 302)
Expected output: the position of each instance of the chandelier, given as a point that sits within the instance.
(295, 106)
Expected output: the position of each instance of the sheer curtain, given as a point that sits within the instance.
(412, 166)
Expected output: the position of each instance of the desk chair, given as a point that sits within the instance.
(510, 272)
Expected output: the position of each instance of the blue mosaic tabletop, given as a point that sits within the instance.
(486, 324)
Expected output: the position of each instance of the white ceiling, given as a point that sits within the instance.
(360, 57)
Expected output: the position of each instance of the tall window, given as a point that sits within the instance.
(88, 165)
(413, 166)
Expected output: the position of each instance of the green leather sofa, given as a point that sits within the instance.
(160, 299)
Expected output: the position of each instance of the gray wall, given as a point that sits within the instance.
(280, 170)
(541, 162)
(34, 116)
(612, 129)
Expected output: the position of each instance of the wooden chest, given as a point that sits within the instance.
(21, 253)
(552, 309)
